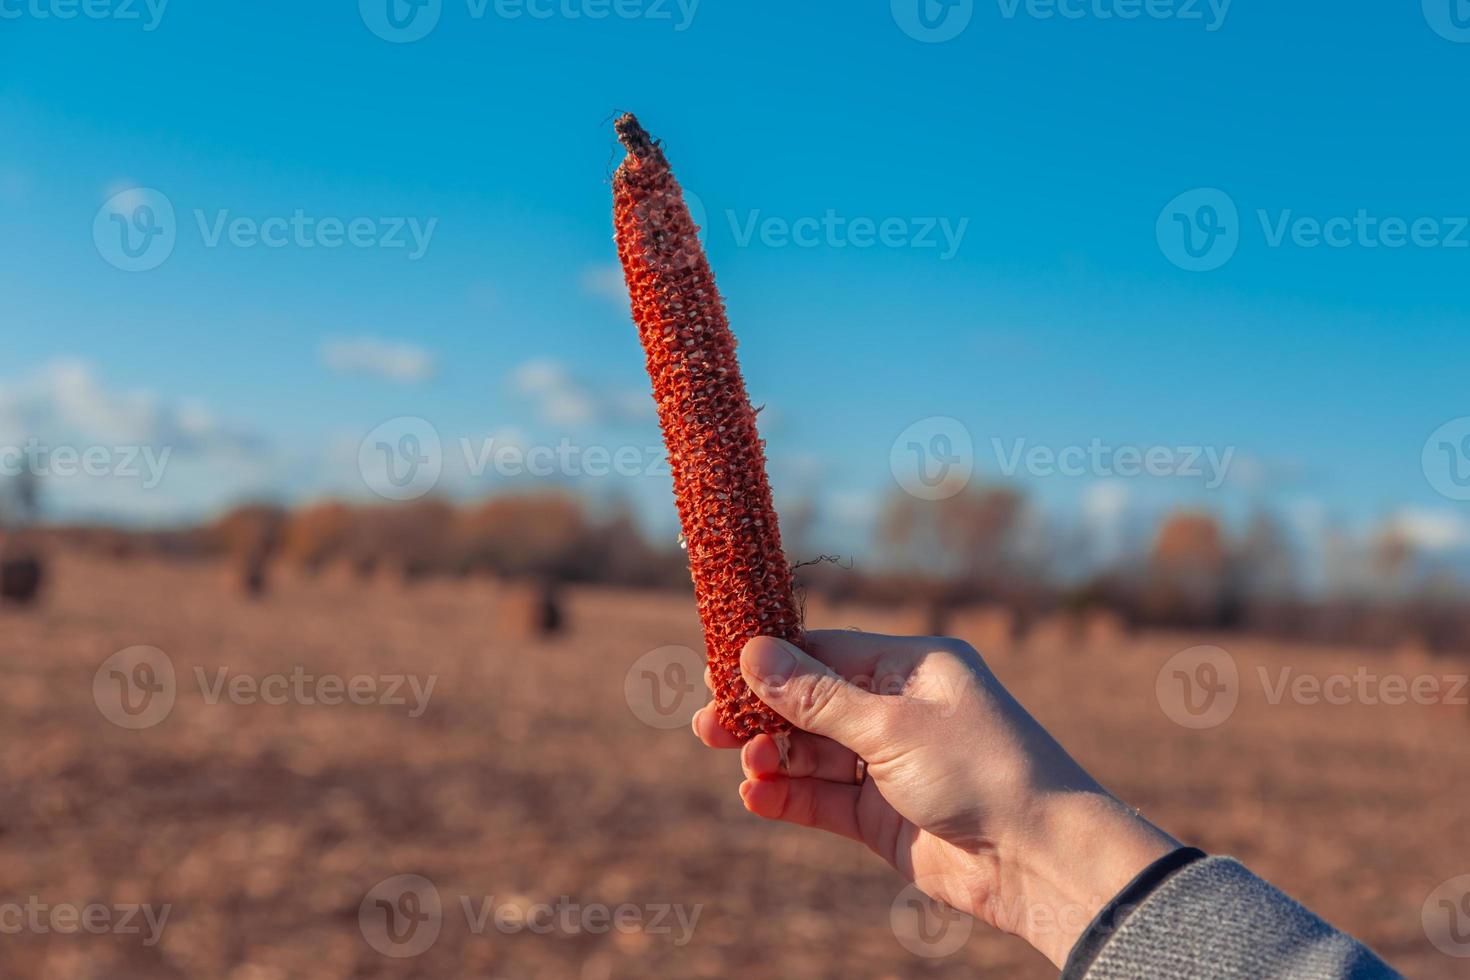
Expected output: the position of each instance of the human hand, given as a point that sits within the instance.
(965, 793)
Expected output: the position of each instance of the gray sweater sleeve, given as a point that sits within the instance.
(1212, 918)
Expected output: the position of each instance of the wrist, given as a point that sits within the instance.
(1076, 851)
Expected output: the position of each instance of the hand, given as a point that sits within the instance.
(966, 794)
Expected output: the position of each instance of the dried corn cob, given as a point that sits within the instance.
(742, 582)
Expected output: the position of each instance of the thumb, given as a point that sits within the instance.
(807, 693)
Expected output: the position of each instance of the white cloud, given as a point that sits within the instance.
(1257, 475)
(1431, 530)
(1105, 505)
(1105, 501)
(563, 400)
(153, 459)
(606, 282)
(856, 507)
(401, 363)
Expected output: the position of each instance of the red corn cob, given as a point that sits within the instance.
(742, 581)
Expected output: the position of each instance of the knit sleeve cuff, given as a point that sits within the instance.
(1107, 921)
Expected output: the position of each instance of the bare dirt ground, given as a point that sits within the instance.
(527, 779)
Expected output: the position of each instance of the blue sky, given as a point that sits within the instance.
(1054, 143)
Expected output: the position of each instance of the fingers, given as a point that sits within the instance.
(808, 802)
(807, 693)
(807, 756)
(706, 725)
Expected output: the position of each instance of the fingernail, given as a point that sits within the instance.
(770, 660)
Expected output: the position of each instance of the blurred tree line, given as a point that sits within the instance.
(984, 546)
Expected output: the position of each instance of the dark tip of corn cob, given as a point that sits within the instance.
(634, 137)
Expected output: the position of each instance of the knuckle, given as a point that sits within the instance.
(820, 699)
(800, 806)
(960, 650)
(956, 646)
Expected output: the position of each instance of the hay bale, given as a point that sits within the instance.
(1057, 632)
(248, 576)
(20, 578)
(1103, 629)
(912, 619)
(531, 610)
(988, 628)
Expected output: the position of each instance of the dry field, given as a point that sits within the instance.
(528, 779)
